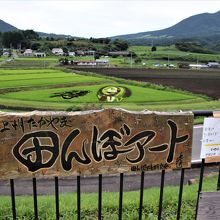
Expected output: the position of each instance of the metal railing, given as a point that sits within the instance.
(121, 184)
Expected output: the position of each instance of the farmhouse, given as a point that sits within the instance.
(90, 52)
(72, 54)
(183, 65)
(28, 52)
(80, 53)
(86, 63)
(197, 66)
(213, 65)
(57, 51)
(102, 62)
(6, 53)
(39, 54)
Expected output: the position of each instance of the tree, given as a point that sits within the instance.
(35, 46)
(154, 48)
(30, 35)
(100, 40)
(191, 46)
(65, 50)
(97, 56)
(12, 39)
(137, 60)
(45, 48)
(120, 45)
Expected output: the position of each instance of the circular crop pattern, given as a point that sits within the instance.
(113, 93)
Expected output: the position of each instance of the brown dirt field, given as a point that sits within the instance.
(205, 82)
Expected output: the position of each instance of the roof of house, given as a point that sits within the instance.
(57, 49)
(28, 51)
(213, 63)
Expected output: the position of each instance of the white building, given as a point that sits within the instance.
(86, 63)
(72, 54)
(6, 54)
(197, 66)
(102, 62)
(57, 51)
(39, 54)
(213, 65)
(28, 52)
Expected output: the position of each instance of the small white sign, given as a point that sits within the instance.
(211, 138)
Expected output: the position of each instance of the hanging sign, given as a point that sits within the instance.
(93, 142)
(211, 140)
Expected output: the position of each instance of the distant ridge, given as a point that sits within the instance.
(42, 34)
(4, 27)
(203, 28)
(201, 25)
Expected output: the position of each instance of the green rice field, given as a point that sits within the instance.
(30, 63)
(56, 89)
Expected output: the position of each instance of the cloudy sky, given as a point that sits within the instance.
(100, 18)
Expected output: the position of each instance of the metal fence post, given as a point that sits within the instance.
(35, 198)
(13, 199)
(180, 194)
(161, 195)
(200, 185)
(141, 195)
(120, 196)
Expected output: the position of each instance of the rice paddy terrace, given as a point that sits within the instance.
(55, 89)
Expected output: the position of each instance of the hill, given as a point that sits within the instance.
(55, 36)
(4, 27)
(198, 26)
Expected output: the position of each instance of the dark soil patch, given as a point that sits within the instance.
(196, 81)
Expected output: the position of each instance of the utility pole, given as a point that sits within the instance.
(152, 43)
(93, 58)
(131, 60)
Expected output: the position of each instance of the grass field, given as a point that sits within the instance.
(89, 204)
(30, 63)
(38, 88)
(45, 79)
(3, 58)
(173, 53)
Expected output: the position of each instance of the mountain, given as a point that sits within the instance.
(44, 35)
(201, 25)
(4, 27)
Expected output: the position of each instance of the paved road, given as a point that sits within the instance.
(110, 183)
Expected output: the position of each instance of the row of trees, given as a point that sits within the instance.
(17, 39)
(24, 39)
(191, 46)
